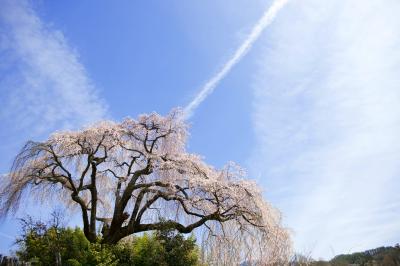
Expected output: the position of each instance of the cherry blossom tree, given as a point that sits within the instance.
(136, 176)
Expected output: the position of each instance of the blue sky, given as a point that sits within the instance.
(311, 111)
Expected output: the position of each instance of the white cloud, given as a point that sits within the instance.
(44, 86)
(327, 118)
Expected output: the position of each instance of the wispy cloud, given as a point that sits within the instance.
(43, 87)
(327, 117)
(255, 33)
(4, 235)
(43, 84)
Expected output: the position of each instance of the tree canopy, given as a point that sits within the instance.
(136, 176)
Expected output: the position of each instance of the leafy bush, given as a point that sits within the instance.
(43, 243)
(73, 262)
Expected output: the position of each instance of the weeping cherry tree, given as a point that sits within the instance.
(136, 176)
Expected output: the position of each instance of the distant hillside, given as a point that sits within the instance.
(382, 256)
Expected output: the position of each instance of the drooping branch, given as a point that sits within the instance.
(136, 176)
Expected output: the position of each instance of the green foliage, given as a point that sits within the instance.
(178, 251)
(163, 248)
(383, 256)
(380, 256)
(101, 255)
(41, 243)
(73, 262)
(359, 258)
(147, 250)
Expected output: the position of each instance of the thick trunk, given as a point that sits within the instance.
(93, 210)
(112, 234)
(112, 238)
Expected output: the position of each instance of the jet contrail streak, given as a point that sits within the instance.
(255, 33)
(7, 236)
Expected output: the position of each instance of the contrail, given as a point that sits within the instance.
(7, 236)
(255, 33)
